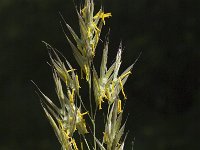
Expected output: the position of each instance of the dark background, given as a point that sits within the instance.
(163, 91)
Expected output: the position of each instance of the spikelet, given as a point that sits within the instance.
(113, 129)
(109, 84)
(90, 30)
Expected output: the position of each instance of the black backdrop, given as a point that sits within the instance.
(163, 91)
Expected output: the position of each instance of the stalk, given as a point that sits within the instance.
(93, 115)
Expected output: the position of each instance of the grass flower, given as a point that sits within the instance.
(90, 30)
(68, 119)
(113, 129)
(109, 84)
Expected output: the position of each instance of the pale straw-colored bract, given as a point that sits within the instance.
(68, 118)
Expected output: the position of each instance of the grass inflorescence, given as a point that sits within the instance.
(68, 119)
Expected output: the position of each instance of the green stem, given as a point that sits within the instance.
(92, 119)
(90, 95)
(94, 134)
(86, 142)
(84, 107)
(91, 108)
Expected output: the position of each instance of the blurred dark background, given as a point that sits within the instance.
(163, 91)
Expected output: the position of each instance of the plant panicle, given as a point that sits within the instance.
(68, 119)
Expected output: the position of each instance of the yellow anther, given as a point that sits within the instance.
(121, 85)
(119, 106)
(107, 15)
(103, 16)
(124, 75)
(85, 113)
(77, 82)
(70, 70)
